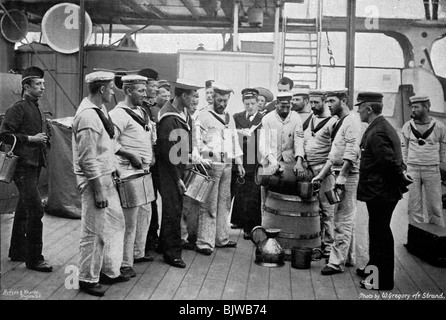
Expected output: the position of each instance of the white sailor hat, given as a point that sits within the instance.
(185, 84)
(316, 93)
(163, 84)
(416, 99)
(284, 96)
(133, 79)
(99, 76)
(300, 91)
(221, 88)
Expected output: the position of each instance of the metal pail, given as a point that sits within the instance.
(198, 185)
(333, 196)
(301, 257)
(136, 190)
(8, 163)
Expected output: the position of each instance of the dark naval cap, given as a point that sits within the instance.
(185, 84)
(265, 93)
(369, 97)
(250, 93)
(32, 73)
(150, 74)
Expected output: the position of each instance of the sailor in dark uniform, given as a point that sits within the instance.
(25, 120)
(152, 108)
(174, 133)
(246, 210)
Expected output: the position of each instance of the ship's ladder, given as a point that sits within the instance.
(301, 54)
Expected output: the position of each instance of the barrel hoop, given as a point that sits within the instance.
(308, 236)
(291, 213)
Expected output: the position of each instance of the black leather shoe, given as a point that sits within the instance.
(128, 271)
(178, 263)
(40, 266)
(230, 244)
(107, 280)
(234, 226)
(328, 271)
(247, 236)
(349, 265)
(364, 284)
(361, 272)
(204, 251)
(95, 289)
(146, 258)
(188, 246)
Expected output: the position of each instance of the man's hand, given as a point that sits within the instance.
(135, 161)
(181, 187)
(241, 170)
(299, 171)
(340, 182)
(407, 179)
(317, 179)
(100, 198)
(40, 138)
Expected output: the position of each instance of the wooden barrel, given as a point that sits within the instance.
(298, 220)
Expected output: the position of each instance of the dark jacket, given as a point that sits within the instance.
(249, 145)
(170, 122)
(381, 167)
(23, 119)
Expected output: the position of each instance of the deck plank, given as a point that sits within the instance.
(149, 280)
(258, 282)
(217, 275)
(235, 288)
(62, 252)
(229, 274)
(171, 281)
(280, 283)
(193, 280)
(54, 244)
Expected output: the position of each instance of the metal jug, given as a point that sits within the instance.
(269, 253)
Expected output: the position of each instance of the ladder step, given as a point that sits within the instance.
(299, 65)
(300, 48)
(300, 55)
(300, 40)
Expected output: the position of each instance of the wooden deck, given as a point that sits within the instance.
(228, 274)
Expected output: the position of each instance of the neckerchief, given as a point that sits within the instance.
(107, 122)
(306, 123)
(226, 122)
(142, 122)
(337, 126)
(319, 126)
(422, 137)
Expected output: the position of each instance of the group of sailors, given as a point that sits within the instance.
(159, 128)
